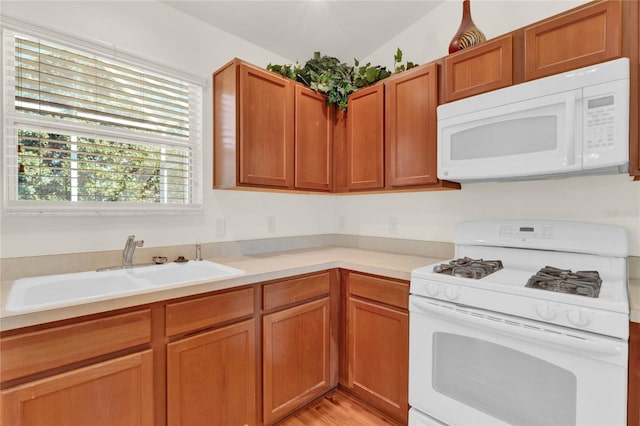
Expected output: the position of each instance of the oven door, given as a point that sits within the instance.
(473, 367)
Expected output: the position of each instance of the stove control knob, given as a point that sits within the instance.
(452, 293)
(546, 312)
(433, 289)
(579, 317)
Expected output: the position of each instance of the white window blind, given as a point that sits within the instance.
(87, 133)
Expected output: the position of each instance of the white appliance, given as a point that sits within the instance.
(541, 339)
(571, 123)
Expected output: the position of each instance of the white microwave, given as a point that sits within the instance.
(571, 123)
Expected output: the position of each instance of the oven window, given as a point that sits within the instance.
(509, 385)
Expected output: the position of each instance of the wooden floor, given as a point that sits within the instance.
(337, 409)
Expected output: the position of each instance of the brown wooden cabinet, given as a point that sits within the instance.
(313, 141)
(365, 139)
(377, 354)
(633, 406)
(578, 38)
(80, 372)
(487, 66)
(410, 142)
(114, 392)
(296, 344)
(253, 127)
(211, 376)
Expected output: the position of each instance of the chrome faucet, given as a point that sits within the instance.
(129, 249)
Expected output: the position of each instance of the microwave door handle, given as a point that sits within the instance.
(512, 329)
(569, 131)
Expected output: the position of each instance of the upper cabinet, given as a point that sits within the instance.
(365, 138)
(488, 66)
(313, 147)
(253, 127)
(269, 132)
(574, 39)
(411, 99)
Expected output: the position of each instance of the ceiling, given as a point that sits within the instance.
(295, 29)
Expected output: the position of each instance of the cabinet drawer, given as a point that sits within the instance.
(189, 315)
(295, 290)
(114, 392)
(389, 292)
(41, 350)
(578, 38)
(485, 67)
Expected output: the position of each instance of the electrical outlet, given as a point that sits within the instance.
(271, 224)
(393, 225)
(221, 227)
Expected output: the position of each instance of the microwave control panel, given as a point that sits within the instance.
(599, 122)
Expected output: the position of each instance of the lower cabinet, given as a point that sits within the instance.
(211, 377)
(633, 408)
(296, 346)
(378, 342)
(115, 392)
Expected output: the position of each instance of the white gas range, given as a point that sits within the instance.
(528, 324)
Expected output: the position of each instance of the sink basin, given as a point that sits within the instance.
(180, 273)
(55, 290)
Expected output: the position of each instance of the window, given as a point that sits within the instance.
(85, 133)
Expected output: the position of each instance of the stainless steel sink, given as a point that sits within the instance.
(57, 290)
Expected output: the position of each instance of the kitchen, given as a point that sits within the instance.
(422, 216)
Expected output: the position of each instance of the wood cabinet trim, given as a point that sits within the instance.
(633, 396)
(62, 345)
(205, 311)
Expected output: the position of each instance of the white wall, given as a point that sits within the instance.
(157, 32)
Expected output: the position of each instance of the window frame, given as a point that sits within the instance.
(13, 120)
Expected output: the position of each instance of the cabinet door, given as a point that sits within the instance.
(296, 357)
(411, 127)
(116, 392)
(313, 153)
(487, 66)
(211, 377)
(378, 355)
(633, 409)
(266, 128)
(575, 39)
(365, 138)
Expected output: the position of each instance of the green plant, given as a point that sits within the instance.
(337, 80)
(398, 65)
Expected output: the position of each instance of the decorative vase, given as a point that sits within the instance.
(468, 34)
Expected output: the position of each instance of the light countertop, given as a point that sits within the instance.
(258, 268)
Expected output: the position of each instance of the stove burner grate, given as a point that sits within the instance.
(469, 268)
(585, 283)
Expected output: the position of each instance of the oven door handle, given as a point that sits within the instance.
(513, 328)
